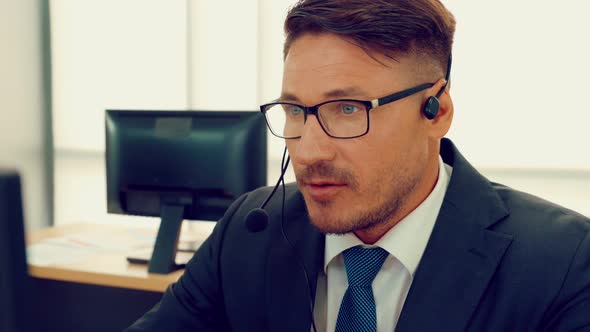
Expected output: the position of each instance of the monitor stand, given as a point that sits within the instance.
(163, 259)
(143, 256)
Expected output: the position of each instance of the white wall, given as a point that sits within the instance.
(224, 55)
(23, 104)
(113, 54)
(519, 79)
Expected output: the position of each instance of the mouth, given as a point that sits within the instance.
(323, 190)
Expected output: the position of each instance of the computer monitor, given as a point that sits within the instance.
(13, 263)
(181, 165)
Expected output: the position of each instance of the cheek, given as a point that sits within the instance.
(364, 159)
(291, 145)
(397, 136)
(384, 157)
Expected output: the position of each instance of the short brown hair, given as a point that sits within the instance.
(422, 27)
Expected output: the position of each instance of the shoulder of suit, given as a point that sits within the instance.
(534, 216)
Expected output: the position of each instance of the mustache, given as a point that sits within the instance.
(325, 170)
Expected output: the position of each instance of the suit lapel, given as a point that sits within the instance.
(462, 253)
(456, 267)
(288, 296)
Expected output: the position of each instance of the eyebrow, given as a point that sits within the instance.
(336, 93)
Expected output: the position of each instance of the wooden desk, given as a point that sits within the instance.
(102, 292)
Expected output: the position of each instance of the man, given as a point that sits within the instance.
(389, 227)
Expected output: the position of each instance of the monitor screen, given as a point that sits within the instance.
(182, 164)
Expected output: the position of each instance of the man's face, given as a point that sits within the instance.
(355, 184)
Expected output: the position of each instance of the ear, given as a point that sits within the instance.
(440, 125)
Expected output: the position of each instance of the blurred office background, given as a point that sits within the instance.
(25, 104)
(519, 83)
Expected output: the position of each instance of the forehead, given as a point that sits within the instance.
(318, 64)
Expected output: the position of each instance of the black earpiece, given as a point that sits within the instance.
(432, 105)
(431, 108)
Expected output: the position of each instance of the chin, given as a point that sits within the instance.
(332, 218)
(324, 216)
(327, 227)
(329, 221)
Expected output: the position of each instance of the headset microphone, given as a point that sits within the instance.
(257, 219)
(432, 105)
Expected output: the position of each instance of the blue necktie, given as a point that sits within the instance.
(357, 311)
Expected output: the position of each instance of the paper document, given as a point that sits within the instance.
(115, 241)
(77, 247)
(43, 254)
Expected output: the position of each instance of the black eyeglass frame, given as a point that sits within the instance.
(369, 105)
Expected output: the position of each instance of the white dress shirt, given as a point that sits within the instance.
(405, 243)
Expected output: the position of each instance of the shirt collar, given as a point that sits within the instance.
(407, 240)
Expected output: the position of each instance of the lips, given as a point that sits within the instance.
(323, 190)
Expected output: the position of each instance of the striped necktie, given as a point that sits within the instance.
(357, 311)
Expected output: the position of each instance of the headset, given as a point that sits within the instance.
(432, 105)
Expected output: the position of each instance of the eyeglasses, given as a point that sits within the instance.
(342, 118)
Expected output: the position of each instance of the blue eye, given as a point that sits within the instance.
(348, 108)
(294, 110)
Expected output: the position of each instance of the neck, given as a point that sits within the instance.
(419, 194)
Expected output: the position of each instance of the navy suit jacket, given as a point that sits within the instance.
(497, 260)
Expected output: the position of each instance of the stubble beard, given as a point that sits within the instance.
(391, 195)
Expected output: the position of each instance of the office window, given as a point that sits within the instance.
(108, 54)
(518, 81)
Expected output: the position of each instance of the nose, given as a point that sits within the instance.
(313, 146)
